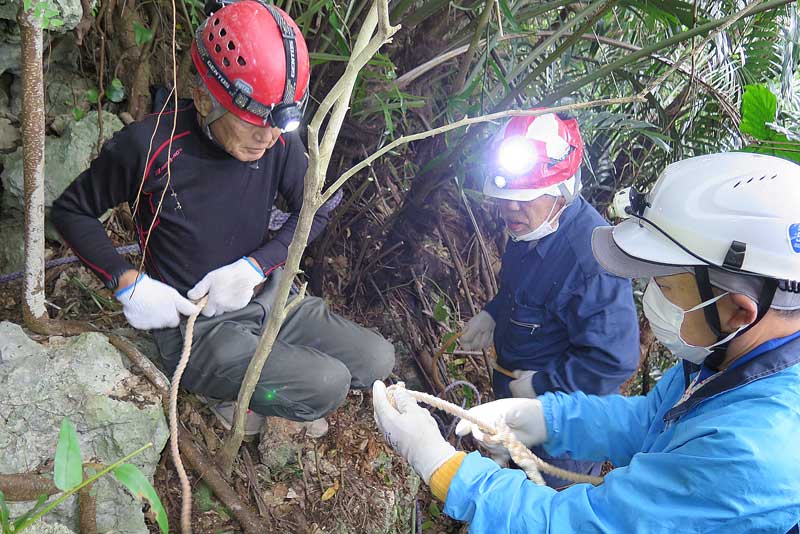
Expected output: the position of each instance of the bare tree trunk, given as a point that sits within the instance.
(32, 119)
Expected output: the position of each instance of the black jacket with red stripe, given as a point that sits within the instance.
(215, 208)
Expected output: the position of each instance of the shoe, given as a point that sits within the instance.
(224, 411)
(317, 428)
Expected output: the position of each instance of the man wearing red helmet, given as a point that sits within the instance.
(559, 322)
(216, 176)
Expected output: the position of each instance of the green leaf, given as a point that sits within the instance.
(759, 106)
(24, 517)
(433, 509)
(55, 23)
(441, 312)
(204, 497)
(68, 468)
(116, 91)
(92, 96)
(4, 514)
(129, 476)
(141, 34)
(427, 524)
(78, 113)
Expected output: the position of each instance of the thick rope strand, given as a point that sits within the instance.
(186, 489)
(523, 457)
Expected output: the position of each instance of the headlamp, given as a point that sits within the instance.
(517, 155)
(287, 117)
(500, 181)
(627, 202)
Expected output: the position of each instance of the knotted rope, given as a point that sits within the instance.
(501, 434)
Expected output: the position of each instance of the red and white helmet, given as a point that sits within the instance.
(254, 61)
(535, 156)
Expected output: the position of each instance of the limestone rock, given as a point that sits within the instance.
(70, 12)
(65, 158)
(12, 246)
(9, 135)
(280, 443)
(85, 379)
(47, 528)
(66, 89)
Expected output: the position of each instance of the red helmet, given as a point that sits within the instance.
(535, 156)
(254, 60)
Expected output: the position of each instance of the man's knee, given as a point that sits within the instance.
(330, 390)
(377, 361)
(321, 391)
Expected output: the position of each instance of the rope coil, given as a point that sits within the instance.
(502, 434)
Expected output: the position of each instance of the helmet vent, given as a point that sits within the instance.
(240, 60)
(231, 45)
(216, 22)
(217, 48)
(210, 36)
(222, 32)
(226, 62)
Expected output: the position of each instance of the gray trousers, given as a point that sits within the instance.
(317, 357)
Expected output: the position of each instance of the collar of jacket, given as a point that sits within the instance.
(765, 365)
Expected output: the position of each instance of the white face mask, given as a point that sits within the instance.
(544, 229)
(666, 319)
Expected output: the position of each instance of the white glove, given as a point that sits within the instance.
(524, 417)
(229, 288)
(411, 431)
(478, 332)
(522, 386)
(148, 303)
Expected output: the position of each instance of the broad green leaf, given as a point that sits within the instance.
(786, 150)
(427, 524)
(129, 476)
(141, 34)
(116, 91)
(78, 113)
(759, 106)
(433, 509)
(68, 468)
(92, 95)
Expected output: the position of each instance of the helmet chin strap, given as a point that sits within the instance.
(711, 313)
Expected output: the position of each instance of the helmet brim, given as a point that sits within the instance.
(631, 250)
(526, 195)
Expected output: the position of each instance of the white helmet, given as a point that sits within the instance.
(732, 219)
(737, 211)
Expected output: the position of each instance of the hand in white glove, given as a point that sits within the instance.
(522, 386)
(229, 288)
(410, 430)
(478, 332)
(524, 417)
(148, 303)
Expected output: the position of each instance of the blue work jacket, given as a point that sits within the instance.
(724, 460)
(560, 314)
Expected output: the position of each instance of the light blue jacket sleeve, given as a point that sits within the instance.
(725, 470)
(602, 428)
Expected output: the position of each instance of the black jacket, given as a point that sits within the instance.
(215, 208)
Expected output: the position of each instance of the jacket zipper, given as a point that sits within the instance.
(532, 326)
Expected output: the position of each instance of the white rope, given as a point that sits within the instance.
(186, 490)
(502, 434)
